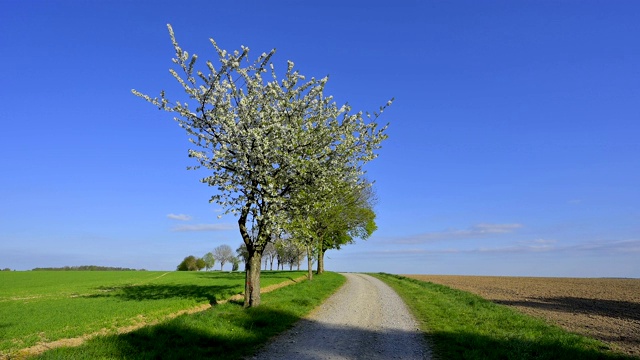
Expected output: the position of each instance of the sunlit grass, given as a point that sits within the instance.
(226, 331)
(462, 325)
(43, 306)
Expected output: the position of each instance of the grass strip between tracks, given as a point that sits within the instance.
(225, 331)
(461, 325)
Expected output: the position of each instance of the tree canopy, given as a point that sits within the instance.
(264, 139)
(190, 263)
(209, 260)
(332, 218)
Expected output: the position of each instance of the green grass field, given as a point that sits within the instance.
(45, 306)
(225, 331)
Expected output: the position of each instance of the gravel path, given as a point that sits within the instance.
(365, 319)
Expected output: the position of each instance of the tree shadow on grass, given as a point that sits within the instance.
(199, 336)
(271, 275)
(212, 293)
(226, 275)
(220, 333)
(567, 304)
(473, 346)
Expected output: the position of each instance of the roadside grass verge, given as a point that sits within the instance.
(225, 331)
(461, 325)
(44, 306)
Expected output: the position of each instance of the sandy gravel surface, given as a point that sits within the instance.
(365, 319)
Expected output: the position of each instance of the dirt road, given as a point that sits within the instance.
(365, 319)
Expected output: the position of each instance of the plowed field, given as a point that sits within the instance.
(605, 309)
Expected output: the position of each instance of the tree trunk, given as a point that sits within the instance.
(309, 263)
(254, 262)
(252, 280)
(321, 260)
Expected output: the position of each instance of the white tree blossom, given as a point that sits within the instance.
(263, 138)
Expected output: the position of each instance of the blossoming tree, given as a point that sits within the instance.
(263, 139)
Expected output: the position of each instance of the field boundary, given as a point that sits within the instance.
(605, 309)
(77, 341)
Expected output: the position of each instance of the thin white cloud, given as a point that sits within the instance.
(494, 228)
(600, 247)
(624, 246)
(520, 247)
(181, 217)
(473, 232)
(204, 227)
(540, 245)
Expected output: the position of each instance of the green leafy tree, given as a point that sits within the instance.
(263, 139)
(188, 264)
(209, 261)
(350, 216)
(200, 264)
(280, 244)
(242, 253)
(332, 218)
(235, 264)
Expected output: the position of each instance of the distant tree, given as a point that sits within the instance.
(270, 254)
(289, 252)
(281, 253)
(209, 261)
(299, 252)
(242, 253)
(235, 264)
(188, 264)
(223, 254)
(6, 269)
(200, 264)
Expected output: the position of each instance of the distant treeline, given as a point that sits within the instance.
(86, 268)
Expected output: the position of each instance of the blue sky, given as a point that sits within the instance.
(513, 141)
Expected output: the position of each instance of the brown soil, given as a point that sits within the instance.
(605, 309)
